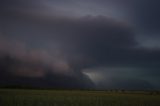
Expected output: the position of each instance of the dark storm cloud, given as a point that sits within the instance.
(78, 37)
(44, 49)
(94, 37)
(15, 72)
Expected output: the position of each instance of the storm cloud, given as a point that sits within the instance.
(48, 47)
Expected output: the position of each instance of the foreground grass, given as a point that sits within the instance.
(75, 98)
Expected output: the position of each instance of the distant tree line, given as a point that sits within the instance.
(148, 92)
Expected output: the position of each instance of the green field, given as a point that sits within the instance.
(21, 97)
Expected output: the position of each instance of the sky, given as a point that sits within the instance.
(80, 44)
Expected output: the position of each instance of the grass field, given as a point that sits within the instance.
(21, 97)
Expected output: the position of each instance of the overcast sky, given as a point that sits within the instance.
(102, 44)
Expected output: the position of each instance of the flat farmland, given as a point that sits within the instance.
(19, 97)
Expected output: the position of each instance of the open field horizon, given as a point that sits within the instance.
(32, 97)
